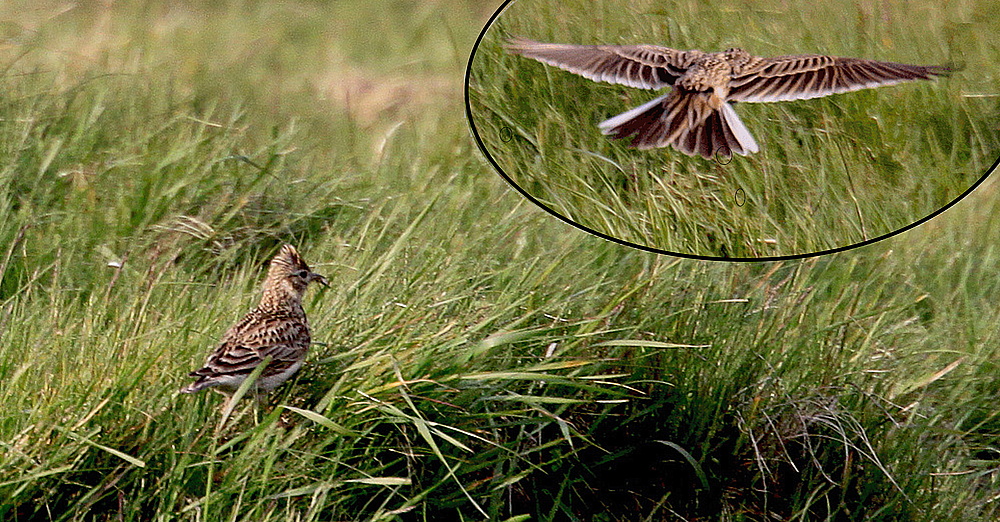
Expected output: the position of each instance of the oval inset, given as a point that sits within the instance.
(811, 173)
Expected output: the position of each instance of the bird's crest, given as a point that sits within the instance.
(287, 261)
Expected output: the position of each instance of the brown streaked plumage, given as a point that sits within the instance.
(696, 116)
(277, 328)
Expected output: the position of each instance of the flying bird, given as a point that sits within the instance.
(696, 116)
(277, 328)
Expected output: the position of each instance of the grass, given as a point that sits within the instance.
(832, 172)
(474, 359)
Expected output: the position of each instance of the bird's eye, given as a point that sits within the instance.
(302, 274)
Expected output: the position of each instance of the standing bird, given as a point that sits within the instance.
(277, 328)
(696, 117)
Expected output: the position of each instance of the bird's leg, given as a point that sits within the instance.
(259, 402)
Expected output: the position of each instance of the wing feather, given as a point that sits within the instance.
(255, 338)
(640, 66)
(807, 76)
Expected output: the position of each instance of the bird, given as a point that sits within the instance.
(277, 329)
(696, 117)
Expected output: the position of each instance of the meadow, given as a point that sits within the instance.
(475, 358)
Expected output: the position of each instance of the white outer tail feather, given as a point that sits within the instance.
(743, 136)
(607, 125)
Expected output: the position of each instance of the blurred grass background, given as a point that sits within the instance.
(832, 172)
(475, 359)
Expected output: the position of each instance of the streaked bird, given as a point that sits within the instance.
(696, 116)
(277, 328)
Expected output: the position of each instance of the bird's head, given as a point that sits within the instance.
(289, 272)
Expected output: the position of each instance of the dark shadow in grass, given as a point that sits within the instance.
(667, 462)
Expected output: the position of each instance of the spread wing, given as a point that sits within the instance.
(810, 76)
(642, 66)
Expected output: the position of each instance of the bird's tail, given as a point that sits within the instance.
(202, 383)
(689, 122)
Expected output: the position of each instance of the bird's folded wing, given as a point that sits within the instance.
(811, 76)
(242, 350)
(641, 66)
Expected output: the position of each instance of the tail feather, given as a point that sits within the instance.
(640, 121)
(195, 387)
(204, 381)
(686, 121)
(741, 136)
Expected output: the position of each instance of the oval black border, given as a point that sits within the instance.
(539, 204)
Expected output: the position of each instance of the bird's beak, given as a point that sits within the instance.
(320, 279)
